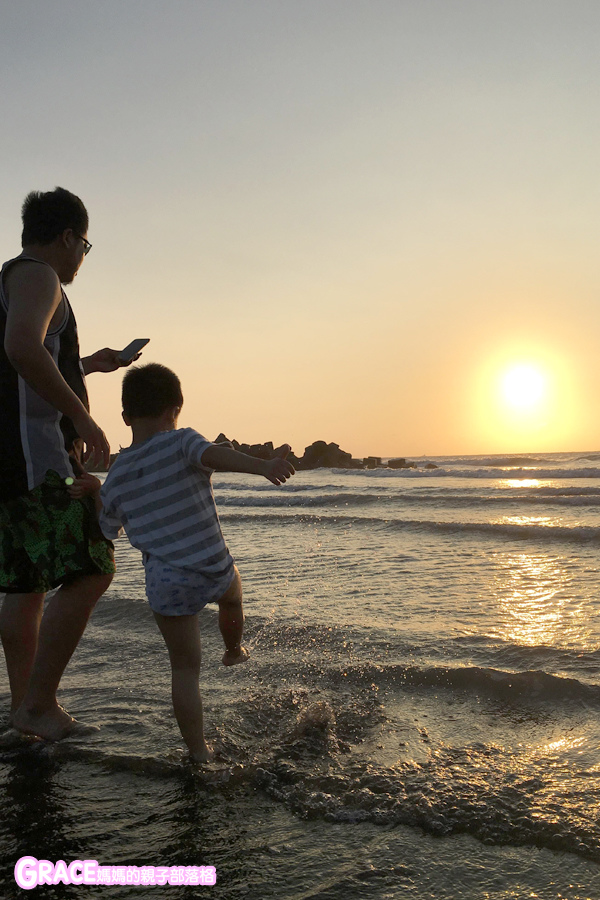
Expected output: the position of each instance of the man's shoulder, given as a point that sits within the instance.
(25, 276)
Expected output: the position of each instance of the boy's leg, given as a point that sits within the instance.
(61, 627)
(182, 637)
(231, 622)
(19, 626)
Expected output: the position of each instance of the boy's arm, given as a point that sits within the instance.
(224, 459)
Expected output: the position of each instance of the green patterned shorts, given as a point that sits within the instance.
(47, 539)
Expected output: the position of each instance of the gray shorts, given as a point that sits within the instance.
(181, 592)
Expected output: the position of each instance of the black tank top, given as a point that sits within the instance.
(34, 436)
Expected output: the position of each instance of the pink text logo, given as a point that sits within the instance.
(31, 872)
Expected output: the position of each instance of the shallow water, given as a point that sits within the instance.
(419, 717)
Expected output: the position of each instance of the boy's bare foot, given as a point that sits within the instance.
(232, 657)
(202, 756)
(52, 725)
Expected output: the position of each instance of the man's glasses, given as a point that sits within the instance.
(86, 244)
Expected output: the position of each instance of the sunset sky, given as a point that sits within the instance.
(347, 220)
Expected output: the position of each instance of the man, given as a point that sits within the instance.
(47, 538)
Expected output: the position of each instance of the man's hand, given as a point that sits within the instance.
(97, 448)
(278, 469)
(106, 360)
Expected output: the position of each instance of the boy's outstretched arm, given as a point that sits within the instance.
(224, 459)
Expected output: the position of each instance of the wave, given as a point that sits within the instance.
(476, 789)
(578, 534)
(490, 650)
(534, 685)
(546, 474)
(279, 500)
(472, 790)
(466, 791)
(515, 679)
(581, 534)
(313, 749)
(448, 499)
(548, 491)
(496, 794)
(502, 461)
(290, 487)
(578, 500)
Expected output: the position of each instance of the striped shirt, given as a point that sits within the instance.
(161, 494)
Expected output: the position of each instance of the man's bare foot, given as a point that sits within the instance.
(202, 756)
(80, 729)
(13, 738)
(52, 725)
(232, 657)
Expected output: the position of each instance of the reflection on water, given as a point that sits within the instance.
(44, 828)
(561, 745)
(529, 520)
(535, 602)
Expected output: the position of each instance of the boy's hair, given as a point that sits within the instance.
(150, 390)
(46, 215)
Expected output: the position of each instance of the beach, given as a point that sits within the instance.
(419, 716)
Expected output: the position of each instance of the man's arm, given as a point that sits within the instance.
(224, 459)
(35, 297)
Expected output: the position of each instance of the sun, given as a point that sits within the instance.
(525, 395)
(524, 387)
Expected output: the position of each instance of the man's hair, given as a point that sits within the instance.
(46, 215)
(150, 390)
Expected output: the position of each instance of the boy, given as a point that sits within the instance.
(159, 491)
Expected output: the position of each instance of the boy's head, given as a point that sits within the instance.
(150, 391)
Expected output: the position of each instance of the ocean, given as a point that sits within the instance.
(419, 718)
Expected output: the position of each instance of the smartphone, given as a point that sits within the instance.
(133, 349)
